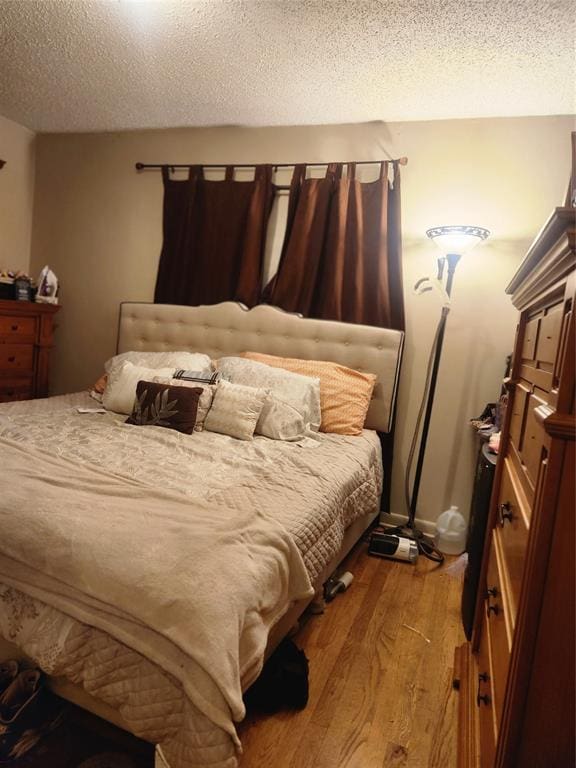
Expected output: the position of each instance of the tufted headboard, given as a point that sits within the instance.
(230, 328)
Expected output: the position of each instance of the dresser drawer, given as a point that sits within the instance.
(549, 335)
(540, 348)
(534, 440)
(512, 522)
(16, 389)
(530, 338)
(485, 702)
(518, 414)
(18, 330)
(17, 358)
(498, 624)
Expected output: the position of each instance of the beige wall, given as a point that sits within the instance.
(16, 195)
(98, 224)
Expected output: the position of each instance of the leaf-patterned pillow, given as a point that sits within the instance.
(160, 405)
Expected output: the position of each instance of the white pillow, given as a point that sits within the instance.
(281, 421)
(190, 361)
(294, 405)
(235, 410)
(121, 385)
(204, 402)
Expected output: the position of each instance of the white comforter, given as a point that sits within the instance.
(230, 539)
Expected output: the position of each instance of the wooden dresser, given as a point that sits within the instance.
(26, 338)
(516, 677)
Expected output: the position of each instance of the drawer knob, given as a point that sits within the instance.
(11, 359)
(505, 513)
(14, 328)
(483, 677)
(492, 607)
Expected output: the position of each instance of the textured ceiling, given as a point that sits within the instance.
(76, 65)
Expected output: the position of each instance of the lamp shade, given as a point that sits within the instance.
(457, 238)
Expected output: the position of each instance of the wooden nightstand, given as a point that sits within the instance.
(26, 338)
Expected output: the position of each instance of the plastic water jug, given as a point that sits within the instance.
(451, 532)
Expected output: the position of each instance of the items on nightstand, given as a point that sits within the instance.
(6, 284)
(494, 442)
(485, 424)
(47, 287)
(16, 285)
(23, 288)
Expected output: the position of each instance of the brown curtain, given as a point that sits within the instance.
(214, 233)
(342, 250)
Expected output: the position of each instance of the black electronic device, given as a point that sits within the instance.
(384, 544)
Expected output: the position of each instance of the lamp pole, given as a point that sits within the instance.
(452, 260)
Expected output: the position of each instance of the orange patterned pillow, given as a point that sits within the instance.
(344, 393)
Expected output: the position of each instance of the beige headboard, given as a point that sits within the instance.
(229, 329)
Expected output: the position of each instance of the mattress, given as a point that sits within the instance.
(314, 491)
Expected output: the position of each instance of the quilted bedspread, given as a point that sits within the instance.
(312, 493)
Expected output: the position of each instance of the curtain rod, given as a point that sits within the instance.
(144, 166)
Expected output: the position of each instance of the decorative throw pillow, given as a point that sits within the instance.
(158, 405)
(201, 377)
(121, 385)
(189, 360)
(204, 402)
(345, 394)
(235, 410)
(294, 403)
(100, 385)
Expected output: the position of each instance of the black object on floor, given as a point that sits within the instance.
(81, 740)
(283, 682)
(480, 508)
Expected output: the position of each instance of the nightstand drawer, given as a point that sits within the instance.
(512, 522)
(16, 389)
(18, 330)
(17, 358)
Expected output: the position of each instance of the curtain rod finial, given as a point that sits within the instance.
(2, 163)
(403, 161)
(139, 166)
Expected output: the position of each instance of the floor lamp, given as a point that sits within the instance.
(454, 241)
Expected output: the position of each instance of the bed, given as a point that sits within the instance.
(271, 520)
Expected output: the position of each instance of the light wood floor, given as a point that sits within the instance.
(380, 695)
